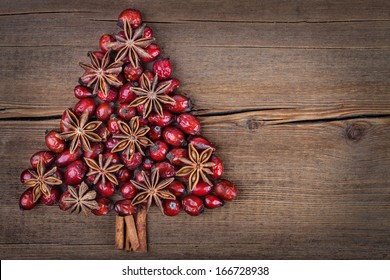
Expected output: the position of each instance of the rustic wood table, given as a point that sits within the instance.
(295, 95)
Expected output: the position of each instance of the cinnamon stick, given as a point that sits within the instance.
(141, 229)
(119, 232)
(131, 232)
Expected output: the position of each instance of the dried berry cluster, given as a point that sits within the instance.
(129, 140)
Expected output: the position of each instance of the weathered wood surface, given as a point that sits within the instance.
(295, 94)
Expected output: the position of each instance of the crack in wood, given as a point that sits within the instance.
(45, 12)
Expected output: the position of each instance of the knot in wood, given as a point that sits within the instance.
(356, 131)
(253, 124)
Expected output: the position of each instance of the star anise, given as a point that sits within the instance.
(80, 131)
(101, 73)
(196, 166)
(131, 45)
(151, 95)
(132, 138)
(151, 189)
(81, 199)
(42, 180)
(103, 170)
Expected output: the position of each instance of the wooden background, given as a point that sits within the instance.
(295, 94)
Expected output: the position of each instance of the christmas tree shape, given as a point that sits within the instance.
(130, 142)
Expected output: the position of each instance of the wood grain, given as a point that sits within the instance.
(295, 95)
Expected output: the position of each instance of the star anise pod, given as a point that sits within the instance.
(81, 199)
(101, 73)
(80, 131)
(41, 181)
(196, 166)
(151, 189)
(132, 138)
(131, 45)
(102, 170)
(152, 95)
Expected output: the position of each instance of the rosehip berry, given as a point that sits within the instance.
(182, 104)
(47, 158)
(202, 188)
(114, 157)
(26, 175)
(126, 112)
(217, 169)
(164, 120)
(188, 123)
(125, 208)
(110, 97)
(173, 136)
(105, 206)
(159, 150)
(85, 104)
(139, 177)
(124, 175)
(176, 188)
(128, 190)
(155, 132)
(148, 32)
(113, 126)
(98, 54)
(26, 201)
(82, 92)
(106, 190)
(103, 132)
(65, 119)
(54, 197)
(132, 16)
(111, 142)
(147, 163)
(165, 169)
(173, 84)
(66, 157)
(54, 142)
(126, 95)
(132, 73)
(106, 38)
(121, 79)
(162, 68)
(134, 161)
(104, 111)
(154, 51)
(57, 174)
(75, 172)
(96, 149)
(225, 190)
(64, 206)
(171, 207)
(211, 201)
(193, 205)
(142, 121)
(200, 143)
(176, 154)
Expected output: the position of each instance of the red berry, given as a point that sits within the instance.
(217, 169)
(171, 207)
(188, 123)
(126, 112)
(164, 120)
(65, 158)
(165, 169)
(147, 163)
(105, 206)
(115, 159)
(111, 95)
(103, 132)
(126, 95)
(85, 104)
(106, 190)
(148, 32)
(74, 172)
(154, 51)
(182, 104)
(132, 73)
(148, 75)
(113, 126)
(82, 92)
(202, 188)
(155, 132)
(134, 161)
(173, 84)
(139, 177)
(211, 201)
(125, 208)
(64, 206)
(98, 54)
(200, 143)
(47, 158)
(106, 38)
(26, 175)
(162, 68)
(225, 190)
(193, 205)
(132, 16)
(176, 154)
(173, 136)
(142, 121)
(159, 150)
(54, 197)
(26, 201)
(176, 188)
(111, 142)
(121, 78)
(104, 111)
(96, 149)
(54, 142)
(124, 175)
(128, 190)
(65, 119)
